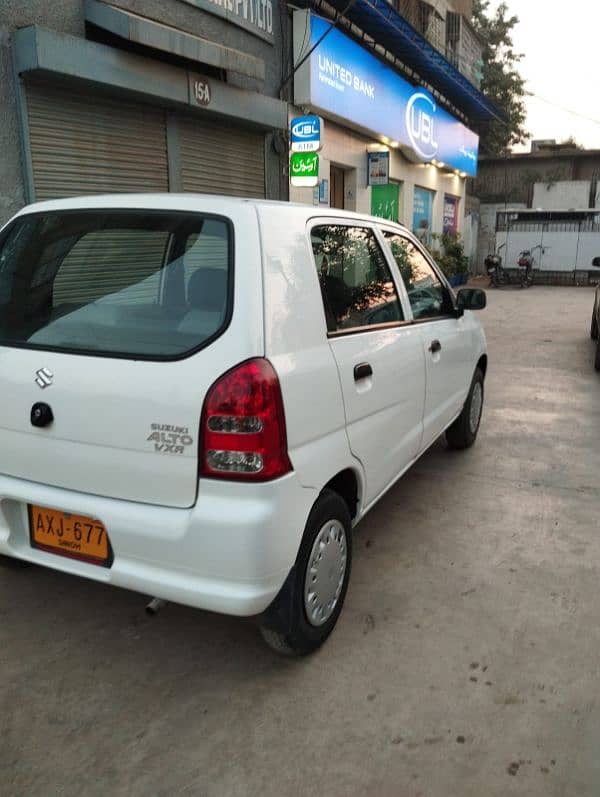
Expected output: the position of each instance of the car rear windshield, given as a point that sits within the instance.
(139, 284)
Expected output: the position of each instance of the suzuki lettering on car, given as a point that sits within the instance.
(170, 439)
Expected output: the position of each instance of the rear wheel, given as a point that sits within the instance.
(463, 432)
(313, 602)
(527, 279)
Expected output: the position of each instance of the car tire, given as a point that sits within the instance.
(463, 432)
(594, 327)
(309, 621)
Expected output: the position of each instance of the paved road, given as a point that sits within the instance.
(465, 663)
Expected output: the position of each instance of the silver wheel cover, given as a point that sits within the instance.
(476, 407)
(325, 573)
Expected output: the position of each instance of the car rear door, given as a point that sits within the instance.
(444, 337)
(118, 322)
(379, 355)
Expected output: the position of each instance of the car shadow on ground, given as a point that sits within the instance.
(94, 622)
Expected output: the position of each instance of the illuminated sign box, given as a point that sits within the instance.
(379, 168)
(341, 79)
(305, 134)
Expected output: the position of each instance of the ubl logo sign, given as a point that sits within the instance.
(306, 129)
(420, 124)
(306, 134)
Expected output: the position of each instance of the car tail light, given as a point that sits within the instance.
(242, 431)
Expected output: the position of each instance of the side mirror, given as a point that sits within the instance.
(471, 299)
(596, 262)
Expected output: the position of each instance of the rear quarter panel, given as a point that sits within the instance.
(297, 345)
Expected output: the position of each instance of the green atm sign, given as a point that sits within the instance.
(304, 168)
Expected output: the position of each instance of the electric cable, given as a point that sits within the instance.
(562, 108)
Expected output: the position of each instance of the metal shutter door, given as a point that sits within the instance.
(91, 145)
(221, 160)
(100, 264)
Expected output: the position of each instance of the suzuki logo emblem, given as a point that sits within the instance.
(420, 123)
(44, 378)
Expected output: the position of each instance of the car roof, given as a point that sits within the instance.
(208, 203)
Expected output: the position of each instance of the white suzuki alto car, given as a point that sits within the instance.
(201, 396)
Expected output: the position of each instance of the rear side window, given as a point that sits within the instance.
(124, 283)
(356, 283)
(428, 296)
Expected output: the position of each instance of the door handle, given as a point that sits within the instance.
(362, 371)
(435, 346)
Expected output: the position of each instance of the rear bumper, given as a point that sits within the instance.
(229, 553)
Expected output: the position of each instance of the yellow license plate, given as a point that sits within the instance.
(75, 536)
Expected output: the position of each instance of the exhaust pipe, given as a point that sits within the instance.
(155, 605)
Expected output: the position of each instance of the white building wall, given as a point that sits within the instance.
(487, 231)
(563, 251)
(345, 148)
(565, 195)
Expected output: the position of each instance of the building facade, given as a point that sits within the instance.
(197, 95)
(546, 200)
(159, 95)
(511, 180)
(397, 113)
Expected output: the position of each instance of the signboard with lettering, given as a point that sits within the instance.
(385, 201)
(256, 16)
(450, 221)
(304, 169)
(422, 214)
(200, 92)
(379, 168)
(305, 133)
(344, 80)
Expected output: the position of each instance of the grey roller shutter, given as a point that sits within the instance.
(100, 264)
(216, 159)
(84, 143)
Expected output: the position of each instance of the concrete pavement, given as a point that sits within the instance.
(465, 663)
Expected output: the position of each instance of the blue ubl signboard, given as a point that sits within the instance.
(347, 81)
(305, 132)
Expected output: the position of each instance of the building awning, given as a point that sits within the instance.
(148, 33)
(46, 53)
(380, 21)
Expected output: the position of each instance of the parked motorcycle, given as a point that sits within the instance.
(525, 264)
(524, 275)
(497, 274)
